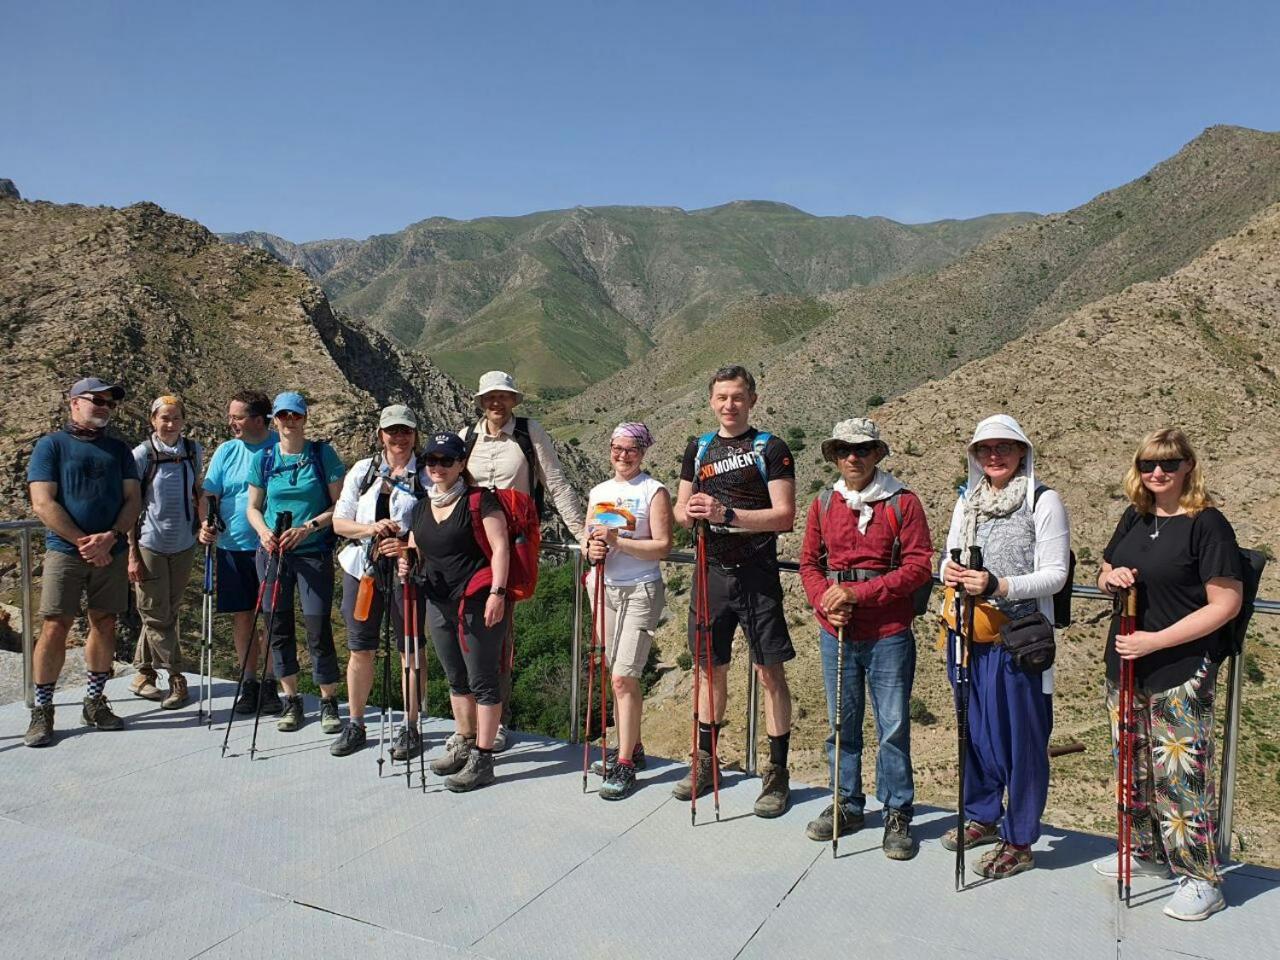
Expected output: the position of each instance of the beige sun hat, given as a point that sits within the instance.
(498, 380)
(855, 430)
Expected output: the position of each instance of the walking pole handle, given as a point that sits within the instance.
(955, 556)
(1131, 604)
(975, 557)
(284, 520)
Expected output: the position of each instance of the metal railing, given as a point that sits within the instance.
(24, 528)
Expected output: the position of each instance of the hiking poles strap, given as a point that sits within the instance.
(835, 779)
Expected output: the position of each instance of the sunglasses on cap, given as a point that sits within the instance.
(436, 461)
(1169, 465)
(859, 450)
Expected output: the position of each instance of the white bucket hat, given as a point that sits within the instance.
(498, 380)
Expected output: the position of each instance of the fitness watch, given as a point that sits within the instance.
(729, 514)
(498, 592)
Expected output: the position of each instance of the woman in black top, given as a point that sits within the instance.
(465, 585)
(1181, 554)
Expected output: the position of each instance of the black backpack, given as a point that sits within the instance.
(1061, 599)
(1252, 564)
(371, 477)
(188, 456)
(521, 437)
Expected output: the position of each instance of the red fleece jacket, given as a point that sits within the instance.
(882, 607)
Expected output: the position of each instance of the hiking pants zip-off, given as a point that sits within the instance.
(1006, 774)
(159, 599)
(310, 576)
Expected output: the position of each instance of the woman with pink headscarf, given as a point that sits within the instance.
(628, 528)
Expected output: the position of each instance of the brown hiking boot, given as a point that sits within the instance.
(775, 794)
(177, 692)
(97, 714)
(40, 733)
(684, 789)
(144, 684)
(457, 752)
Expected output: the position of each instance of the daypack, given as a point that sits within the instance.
(1252, 564)
(524, 534)
(188, 456)
(919, 596)
(312, 456)
(1061, 599)
(757, 449)
(523, 438)
(372, 475)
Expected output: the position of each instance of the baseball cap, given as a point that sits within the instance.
(94, 385)
(290, 401)
(397, 415)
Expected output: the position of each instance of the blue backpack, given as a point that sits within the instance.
(312, 456)
(757, 449)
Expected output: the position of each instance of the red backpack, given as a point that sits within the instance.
(524, 534)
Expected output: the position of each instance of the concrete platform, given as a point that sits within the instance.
(148, 843)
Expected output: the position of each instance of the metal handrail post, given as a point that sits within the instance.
(574, 678)
(753, 711)
(28, 620)
(1230, 750)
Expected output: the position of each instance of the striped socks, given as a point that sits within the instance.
(44, 694)
(98, 682)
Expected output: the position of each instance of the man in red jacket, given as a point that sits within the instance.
(866, 552)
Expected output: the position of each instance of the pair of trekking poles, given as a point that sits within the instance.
(1126, 738)
(214, 520)
(411, 682)
(962, 650)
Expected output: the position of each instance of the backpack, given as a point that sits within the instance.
(1061, 599)
(312, 456)
(188, 456)
(524, 534)
(757, 449)
(920, 596)
(372, 475)
(1252, 563)
(523, 438)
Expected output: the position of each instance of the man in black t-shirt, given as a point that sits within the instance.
(741, 482)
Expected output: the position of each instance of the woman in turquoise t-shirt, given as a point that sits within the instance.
(303, 477)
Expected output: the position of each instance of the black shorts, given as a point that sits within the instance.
(749, 596)
(237, 584)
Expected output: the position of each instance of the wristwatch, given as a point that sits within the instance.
(498, 592)
(729, 514)
(313, 525)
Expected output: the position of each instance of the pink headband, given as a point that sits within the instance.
(634, 431)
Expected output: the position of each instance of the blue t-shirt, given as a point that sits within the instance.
(169, 508)
(228, 480)
(90, 475)
(294, 485)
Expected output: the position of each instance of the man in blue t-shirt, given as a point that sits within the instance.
(237, 575)
(84, 488)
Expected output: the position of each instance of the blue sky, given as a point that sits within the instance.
(323, 119)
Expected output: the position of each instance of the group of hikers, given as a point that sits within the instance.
(429, 508)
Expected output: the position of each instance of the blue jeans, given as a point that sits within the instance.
(887, 668)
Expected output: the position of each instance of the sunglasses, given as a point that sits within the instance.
(439, 461)
(624, 451)
(999, 449)
(290, 415)
(859, 450)
(106, 402)
(1170, 465)
(398, 430)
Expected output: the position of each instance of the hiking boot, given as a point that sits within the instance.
(897, 843)
(177, 692)
(40, 733)
(975, 835)
(1195, 899)
(353, 738)
(143, 684)
(620, 781)
(249, 693)
(330, 722)
(457, 751)
(684, 789)
(851, 821)
(292, 717)
(1109, 867)
(271, 703)
(477, 773)
(611, 758)
(502, 739)
(97, 714)
(775, 793)
(408, 743)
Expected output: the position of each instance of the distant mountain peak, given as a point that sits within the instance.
(9, 190)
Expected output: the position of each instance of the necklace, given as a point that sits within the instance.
(1156, 534)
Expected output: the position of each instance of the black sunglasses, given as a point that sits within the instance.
(439, 461)
(859, 450)
(1170, 465)
(100, 401)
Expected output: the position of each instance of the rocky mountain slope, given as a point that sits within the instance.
(162, 305)
(850, 350)
(567, 297)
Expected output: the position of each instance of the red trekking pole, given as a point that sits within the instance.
(1125, 737)
(409, 676)
(597, 635)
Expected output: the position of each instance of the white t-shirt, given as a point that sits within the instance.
(625, 505)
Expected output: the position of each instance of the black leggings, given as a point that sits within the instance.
(474, 671)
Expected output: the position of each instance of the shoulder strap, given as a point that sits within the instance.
(469, 438)
(153, 465)
(757, 447)
(700, 454)
(477, 520)
(894, 516)
(1035, 495)
(315, 453)
(522, 436)
(371, 475)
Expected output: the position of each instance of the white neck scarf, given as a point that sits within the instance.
(882, 487)
(985, 502)
(439, 499)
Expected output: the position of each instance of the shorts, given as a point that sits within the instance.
(367, 634)
(630, 617)
(237, 583)
(749, 596)
(66, 578)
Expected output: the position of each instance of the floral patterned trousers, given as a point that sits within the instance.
(1174, 806)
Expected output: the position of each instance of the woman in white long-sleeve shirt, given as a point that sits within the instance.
(1022, 530)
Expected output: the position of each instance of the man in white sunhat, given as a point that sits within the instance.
(509, 452)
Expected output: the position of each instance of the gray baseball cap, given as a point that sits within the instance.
(397, 415)
(853, 431)
(94, 385)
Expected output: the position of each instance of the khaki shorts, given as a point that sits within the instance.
(630, 618)
(67, 578)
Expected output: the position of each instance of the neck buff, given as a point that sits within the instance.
(439, 499)
(81, 432)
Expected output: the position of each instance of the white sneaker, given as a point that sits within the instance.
(1109, 867)
(1195, 900)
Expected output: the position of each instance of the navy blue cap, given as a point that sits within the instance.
(445, 445)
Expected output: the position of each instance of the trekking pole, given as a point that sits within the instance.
(284, 520)
(411, 617)
(206, 627)
(384, 587)
(591, 678)
(711, 679)
(694, 756)
(244, 661)
(604, 679)
(835, 781)
(1125, 736)
(962, 724)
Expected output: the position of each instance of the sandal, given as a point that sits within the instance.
(1004, 861)
(976, 833)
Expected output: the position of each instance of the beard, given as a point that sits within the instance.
(98, 423)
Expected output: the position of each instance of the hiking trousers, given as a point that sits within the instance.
(310, 575)
(159, 601)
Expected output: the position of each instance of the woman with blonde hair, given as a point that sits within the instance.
(1180, 553)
